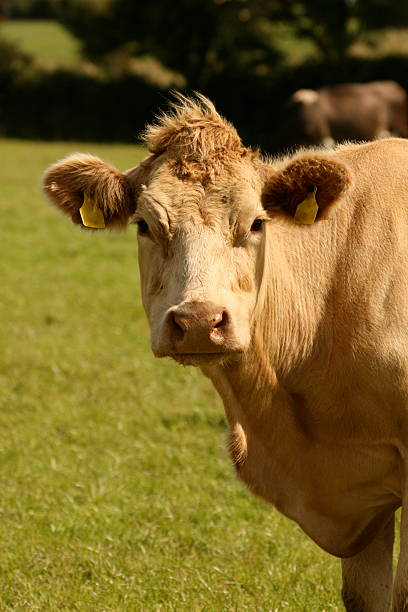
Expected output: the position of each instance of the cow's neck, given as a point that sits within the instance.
(259, 400)
(293, 330)
(289, 448)
(293, 408)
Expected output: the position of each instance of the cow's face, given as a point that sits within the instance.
(307, 118)
(199, 252)
(202, 203)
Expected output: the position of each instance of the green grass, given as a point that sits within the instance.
(46, 40)
(116, 490)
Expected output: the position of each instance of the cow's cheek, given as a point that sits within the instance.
(244, 290)
(152, 276)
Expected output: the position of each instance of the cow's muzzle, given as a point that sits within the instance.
(196, 331)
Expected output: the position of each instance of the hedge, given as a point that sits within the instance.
(65, 105)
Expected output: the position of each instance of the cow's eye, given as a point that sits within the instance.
(143, 227)
(257, 225)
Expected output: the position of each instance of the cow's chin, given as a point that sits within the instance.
(205, 359)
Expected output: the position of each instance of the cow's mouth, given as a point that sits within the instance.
(197, 359)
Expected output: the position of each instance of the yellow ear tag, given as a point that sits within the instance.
(307, 210)
(91, 215)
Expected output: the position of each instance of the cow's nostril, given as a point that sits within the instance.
(220, 329)
(222, 320)
(175, 322)
(178, 325)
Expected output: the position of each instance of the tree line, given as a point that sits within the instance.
(202, 38)
(226, 49)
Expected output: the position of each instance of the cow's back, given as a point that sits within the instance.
(363, 111)
(354, 112)
(395, 99)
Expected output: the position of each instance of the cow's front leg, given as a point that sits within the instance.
(367, 577)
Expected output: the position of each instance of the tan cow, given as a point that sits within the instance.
(351, 111)
(302, 328)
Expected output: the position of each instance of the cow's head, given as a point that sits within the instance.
(306, 118)
(201, 202)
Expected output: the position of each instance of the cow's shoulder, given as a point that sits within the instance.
(379, 161)
(380, 172)
(386, 150)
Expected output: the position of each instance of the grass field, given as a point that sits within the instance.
(116, 490)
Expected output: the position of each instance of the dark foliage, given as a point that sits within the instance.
(333, 26)
(26, 9)
(66, 106)
(200, 38)
(223, 48)
(197, 38)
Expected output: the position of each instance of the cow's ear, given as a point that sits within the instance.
(303, 183)
(90, 191)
